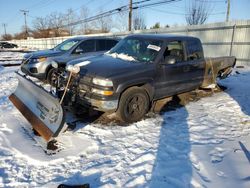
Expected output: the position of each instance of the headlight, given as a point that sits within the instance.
(73, 68)
(102, 92)
(42, 59)
(102, 82)
(54, 64)
(38, 60)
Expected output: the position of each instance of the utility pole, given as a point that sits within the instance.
(228, 10)
(130, 16)
(4, 26)
(25, 21)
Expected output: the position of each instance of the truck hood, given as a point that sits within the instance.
(44, 53)
(107, 66)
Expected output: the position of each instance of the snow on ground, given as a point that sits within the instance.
(203, 144)
(10, 57)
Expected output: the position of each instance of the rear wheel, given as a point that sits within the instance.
(133, 105)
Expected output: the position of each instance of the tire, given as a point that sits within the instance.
(133, 105)
(51, 79)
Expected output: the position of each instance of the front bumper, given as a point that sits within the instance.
(37, 70)
(100, 105)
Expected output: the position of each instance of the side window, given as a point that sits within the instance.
(100, 45)
(194, 50)
(174, 51)
(110, 44)
(85, 47)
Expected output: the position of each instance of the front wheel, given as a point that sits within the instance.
(52, 75)
(133, 105)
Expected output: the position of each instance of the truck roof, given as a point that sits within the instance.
(164, 36)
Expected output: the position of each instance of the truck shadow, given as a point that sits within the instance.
(238, 88)
(172, 166)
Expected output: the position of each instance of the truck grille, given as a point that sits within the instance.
(85, 85)
(85, 88)
(85, 79)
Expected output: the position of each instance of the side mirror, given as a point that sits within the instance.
(78, 51)
(170, 61)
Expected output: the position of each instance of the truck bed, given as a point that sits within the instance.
(217, 67)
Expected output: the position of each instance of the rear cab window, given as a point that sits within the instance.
(194, 49)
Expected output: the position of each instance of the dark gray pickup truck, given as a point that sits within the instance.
(127, 80)
(141, 69)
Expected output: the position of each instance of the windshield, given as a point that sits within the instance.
(66, 45)
(136, 49)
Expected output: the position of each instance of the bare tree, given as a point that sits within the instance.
(56, 23)
(198, 12)
(84, 13)
(103, 24)
(41, 26)
(139, 21)
(70, 17)
(121, 21)
(7, 37)
(22, 34)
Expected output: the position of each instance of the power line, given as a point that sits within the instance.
(101, 15)
(180, 13)
(156, 3)
(42, 2)
(112, 12)
(118, 10)
(42, 5)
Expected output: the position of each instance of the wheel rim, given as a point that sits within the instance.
(136, 107)
(53, 78)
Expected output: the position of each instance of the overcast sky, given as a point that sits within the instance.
(171, 14)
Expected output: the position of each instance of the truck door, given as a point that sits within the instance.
(174, 73)
(196, 61)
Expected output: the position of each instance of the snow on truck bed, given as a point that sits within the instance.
(204, 144)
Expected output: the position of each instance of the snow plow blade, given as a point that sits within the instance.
(39, 107)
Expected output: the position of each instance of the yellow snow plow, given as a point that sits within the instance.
(39, 107)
